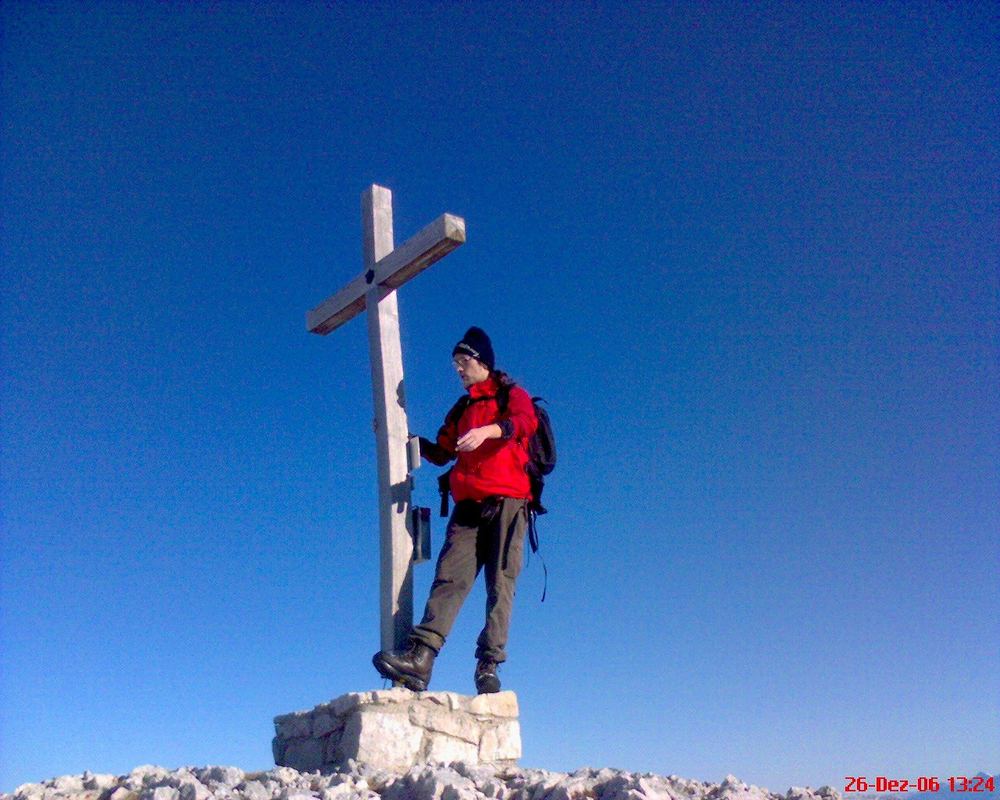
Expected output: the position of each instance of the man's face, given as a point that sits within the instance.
(470, 370)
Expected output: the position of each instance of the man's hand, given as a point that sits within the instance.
(475, 437)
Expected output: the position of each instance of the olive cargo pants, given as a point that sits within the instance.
(482, 535)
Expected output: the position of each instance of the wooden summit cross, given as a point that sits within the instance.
(385, 270)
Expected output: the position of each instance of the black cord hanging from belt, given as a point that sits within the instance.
(533, 541)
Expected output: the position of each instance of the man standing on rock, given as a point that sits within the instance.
(488, 431)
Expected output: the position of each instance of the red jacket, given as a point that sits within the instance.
(496, 467)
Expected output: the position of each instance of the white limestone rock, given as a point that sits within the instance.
(508, 742)
(304, 755)
(99, 783)
(500, 704)
(147, 775)
(28, 791)
(364, 781)
(160, 793)
(572, 787)
(68, 784)
(194, 789)
(254, 790)
(432, 783)
(443, 749)
(345, 704)
(291, 726)
(391, 696)
(323, 724)
(395, 729)
(224, 776)
(455, 725)
(342, 791)
(386, 739)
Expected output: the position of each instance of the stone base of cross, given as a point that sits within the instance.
(386, 268)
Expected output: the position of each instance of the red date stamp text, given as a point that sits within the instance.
(922, 784)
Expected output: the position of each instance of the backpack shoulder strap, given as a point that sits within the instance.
(455, 412)
(503, 396)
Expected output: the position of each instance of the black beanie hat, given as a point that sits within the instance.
(477, 344)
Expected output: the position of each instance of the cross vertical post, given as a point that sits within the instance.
(391, 428)
(386, 268)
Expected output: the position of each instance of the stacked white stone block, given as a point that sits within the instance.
(396, 729)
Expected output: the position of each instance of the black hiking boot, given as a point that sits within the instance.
(410, 668)
(487, 681)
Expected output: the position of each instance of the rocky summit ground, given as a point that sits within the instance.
(431, 782)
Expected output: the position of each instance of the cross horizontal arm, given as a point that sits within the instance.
(338, 309)
(408, 260)
(420, 251)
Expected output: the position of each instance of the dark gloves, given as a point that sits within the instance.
(434, 453)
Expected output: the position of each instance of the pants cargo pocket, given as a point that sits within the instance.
(513, 544)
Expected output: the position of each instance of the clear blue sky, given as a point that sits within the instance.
(749, 253)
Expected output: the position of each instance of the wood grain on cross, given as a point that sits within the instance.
(386, 269)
